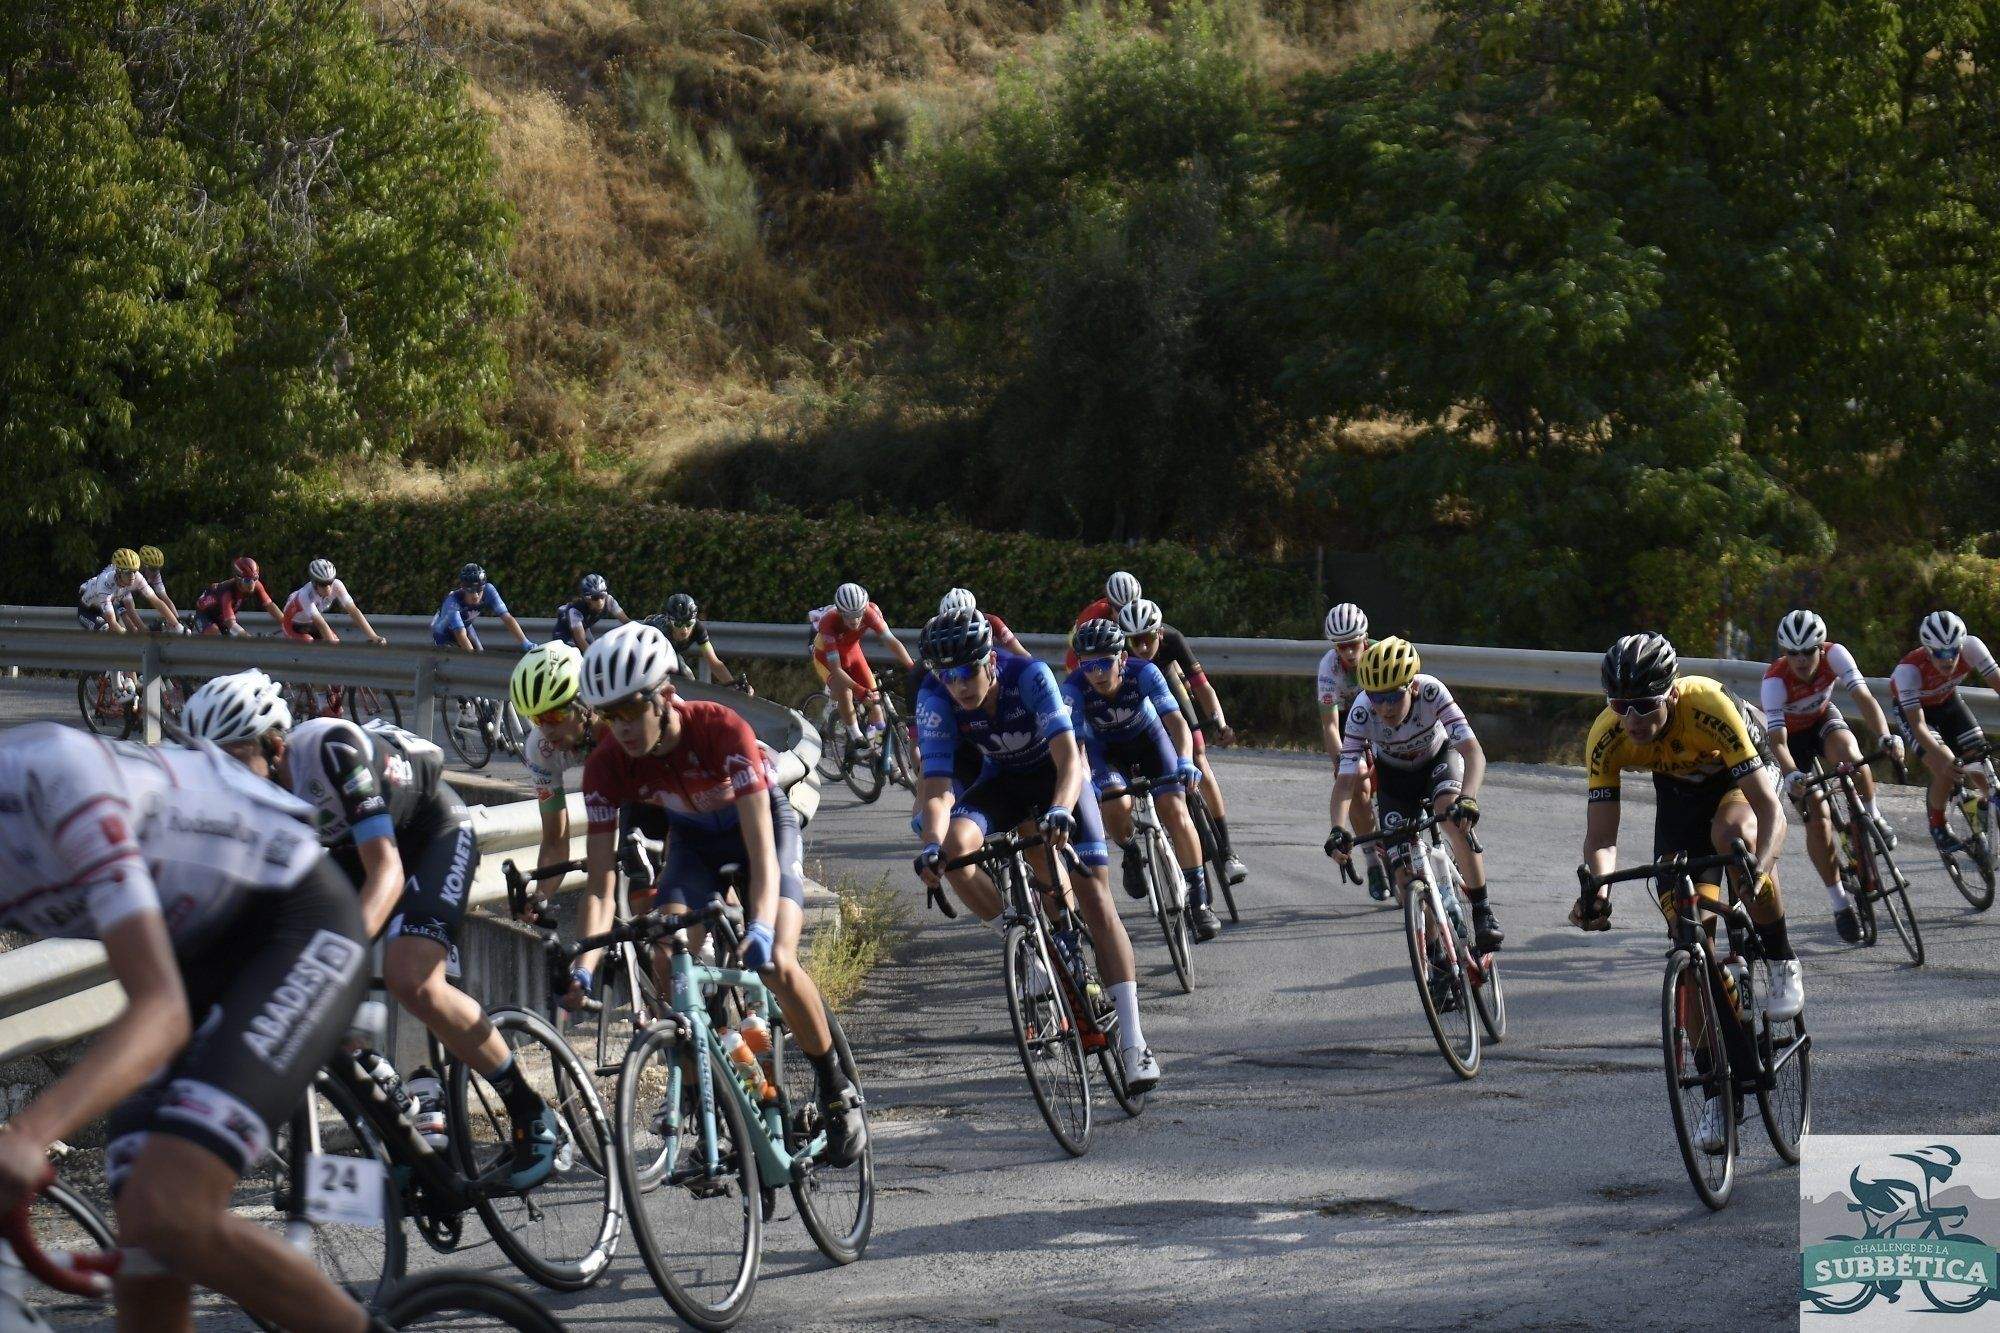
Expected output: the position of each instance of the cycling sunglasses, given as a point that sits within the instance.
(1639, 706)
(1099, 666)
(627, 710)
(1384, 696)
(959, 674)
(554, 717)
(1943, 654)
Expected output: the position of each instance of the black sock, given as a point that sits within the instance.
(1222, 836)
(1475, 896)
(1777, 941)
(523, 1102)
(827, 1065)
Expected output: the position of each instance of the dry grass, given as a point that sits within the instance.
(871, 921)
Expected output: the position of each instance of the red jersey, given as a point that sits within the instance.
(697, 782)
(1803, 703)
(219, 601)
(833, 636)
(1918, 679)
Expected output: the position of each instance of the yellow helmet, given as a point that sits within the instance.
(546, 678)
(125, 560)
(152, 557)
(1389, 664)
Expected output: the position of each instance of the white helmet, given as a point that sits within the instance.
(628, 661)
(958, 599)
(320, 571)
(1121, 589)
(1346, 623)
(1140, 616)
(1800, 632)
(1941, 632)
(238, 707)
(851, 598)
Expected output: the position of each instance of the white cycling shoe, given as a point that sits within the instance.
(1711, 1135)
(1787, 996)
(1142, 1071)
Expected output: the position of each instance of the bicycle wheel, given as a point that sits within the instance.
(1051, 1045)
(104, 711)
(465, 731)
(700, 1231)
(1954, 1297)
(864, 769)
(602, 1038)
(365, 1260)
(366, 703)
(818, 708)
(1163, 884)
(1976, 853)
(1786, 1104)
(1879, 873)
(1104, 1015)
(63, 1219)
(1491, 999)
(902, 764)
(1447, 1008)
(837, 1203)
(455, 1299)
(1211, 851)
(562, 1232)
(1694, 1071)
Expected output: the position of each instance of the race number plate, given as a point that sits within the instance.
(346, 1191)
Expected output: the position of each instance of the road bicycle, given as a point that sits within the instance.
(1061, 1015)
(885, 757)
(349, 1168)
(1867, 871)
(1211, 841)
(85, 1265)
(475, 727)
(1718, 1041)
(365, 704)
(1970, 855)
(704, 1143)
(1453, 977)
(113, 703)
(1166, 892)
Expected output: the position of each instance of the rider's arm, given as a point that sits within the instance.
(1458, 734)
(158, 602)
(829, 657)
(600, 886)
(514, 628)
(1600, 837)
(325, 630)
(381, 879)
(577, 634)
(271, 608)
(1475, 763)
(720, 671)
(1344, 788)
(1871, 709)
(1351, 761)
(937, 747)
(760, 846)
(933, 809)
(1602, 753)
(880, 626)
(1329, 729)
(1178, 733)
(1070, 769)
(128, 616)
(1763, 794)
(361, 621)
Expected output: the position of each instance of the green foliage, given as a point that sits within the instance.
(235, 243)
(399, 556)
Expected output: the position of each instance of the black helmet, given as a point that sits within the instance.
(1639, 666)
(956, 638)
(681, 609)
(1097, 638)
(470, 576)
(592, 585)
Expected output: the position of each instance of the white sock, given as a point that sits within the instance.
(1838, 896)
(1873, 808)
(1125, 995)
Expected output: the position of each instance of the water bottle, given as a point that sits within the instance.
(385, 1076)
(744, 1062)
(1735, 985)
(757, 1037)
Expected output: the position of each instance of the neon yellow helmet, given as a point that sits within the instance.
(125, 560)
(152, 557)
(546, 678)
(1389, 664)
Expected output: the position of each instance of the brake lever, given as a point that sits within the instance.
(1348, 872)
(935, 895)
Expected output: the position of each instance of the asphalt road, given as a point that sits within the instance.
(1309, 1160)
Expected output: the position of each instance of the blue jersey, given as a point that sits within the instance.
(455, 615)
(1128, 712)
(572, 614)
(1014, 736)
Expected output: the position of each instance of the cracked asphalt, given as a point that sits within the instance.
(1309, 1161)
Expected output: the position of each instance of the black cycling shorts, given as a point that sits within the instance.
(1810, 745)
(440, 853)
(1951, 721)
(1003, 798)
(1404, 792)
(691, 876)
(271, 995)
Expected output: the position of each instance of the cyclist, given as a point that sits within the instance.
(696, 768)
(580, 614)
(544, 687)
(215, 609)
(105, 601)
(1033, 769)
(1129, 722)
(305, 610)
(1426, 758)
(1148, 636)
(1799, 688)
(681, 622)
(961, 599)
(453, 625)
(1932, 718)
(837, 657)
(1120, 591)
(152, 568)
(242, 958)
(1714, 786)
(1347, 628)
(385, 813)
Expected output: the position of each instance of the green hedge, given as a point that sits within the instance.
(400, 556)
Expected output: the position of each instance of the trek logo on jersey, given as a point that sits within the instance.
(293, 1010)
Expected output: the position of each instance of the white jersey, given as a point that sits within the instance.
(1337, 687)
(103, 593)
(1433, 721)
(1802, 704)
(303, 603)
(94, 831)
(547, 762)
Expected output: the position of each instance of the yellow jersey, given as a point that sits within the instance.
(1706, 737)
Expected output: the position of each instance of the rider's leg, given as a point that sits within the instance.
(962, 837)
(413, 968)
(1174, 818)
(1735, 819)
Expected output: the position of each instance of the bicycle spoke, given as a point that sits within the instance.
(1050, 1045)
(1697, 1067)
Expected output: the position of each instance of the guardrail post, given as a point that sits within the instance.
(150, 689)
(426, 718)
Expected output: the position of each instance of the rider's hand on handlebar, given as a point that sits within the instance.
(1591, 911)
(1057, 826)
(928, 862)
(1339, 844)
(1187, 772)
(1465, 811)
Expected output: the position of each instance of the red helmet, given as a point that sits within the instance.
(245, 567)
